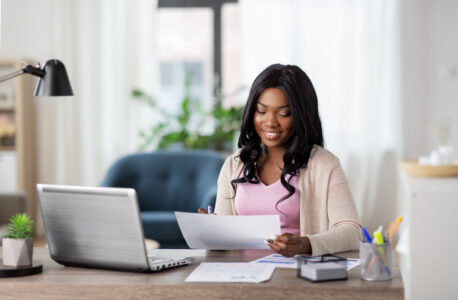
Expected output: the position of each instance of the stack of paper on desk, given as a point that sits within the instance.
(221, 232)
(230, 272)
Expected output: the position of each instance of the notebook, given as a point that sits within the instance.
(98, 227)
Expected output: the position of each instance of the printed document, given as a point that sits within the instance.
(280, 261)
(222, 232)
(231, 272)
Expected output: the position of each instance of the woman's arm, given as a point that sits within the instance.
(345, 229)
(226, 193)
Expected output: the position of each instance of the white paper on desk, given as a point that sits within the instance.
(230, 272)
(280, 261)
(222, 232)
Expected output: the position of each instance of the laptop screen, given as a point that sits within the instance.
(93, 226)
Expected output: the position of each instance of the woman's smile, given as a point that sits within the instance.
(272, 119)
(271, 135)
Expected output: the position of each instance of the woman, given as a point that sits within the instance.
(282, 168)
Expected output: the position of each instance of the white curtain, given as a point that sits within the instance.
(107, 47)
(349, 49)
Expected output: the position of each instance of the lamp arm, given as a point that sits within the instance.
(12, 75)
(26, 69)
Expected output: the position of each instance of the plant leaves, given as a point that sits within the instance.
(20, 227)
(185, 128)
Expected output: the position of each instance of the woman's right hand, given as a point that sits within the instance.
(202, 211)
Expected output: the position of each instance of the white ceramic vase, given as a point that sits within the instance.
(17, 252)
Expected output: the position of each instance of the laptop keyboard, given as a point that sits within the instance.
(157, 260)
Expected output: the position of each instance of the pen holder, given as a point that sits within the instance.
(375, 261)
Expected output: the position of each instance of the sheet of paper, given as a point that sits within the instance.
(222, 232)
(231, 272)
(280, 261)
(352, 263)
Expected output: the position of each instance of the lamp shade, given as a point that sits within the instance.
(55, 80)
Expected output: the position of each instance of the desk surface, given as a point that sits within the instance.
(59, 282)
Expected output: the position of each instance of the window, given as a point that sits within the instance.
(185, 45)
(200, 36)
(230, 54)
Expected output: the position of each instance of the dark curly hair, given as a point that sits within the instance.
(306, 121)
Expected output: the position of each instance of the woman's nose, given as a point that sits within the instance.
(271, 120)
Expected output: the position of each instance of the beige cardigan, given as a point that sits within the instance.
(328, 215)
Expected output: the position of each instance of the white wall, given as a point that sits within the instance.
(430, 72)
(79, 137)
(25, 34)
(429, 54)
(25, 28)
(429, 67)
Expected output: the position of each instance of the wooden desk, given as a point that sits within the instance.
(59, 282)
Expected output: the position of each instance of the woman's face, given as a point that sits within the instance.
(272, 118)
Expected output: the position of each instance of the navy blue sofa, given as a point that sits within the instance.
(168, 181)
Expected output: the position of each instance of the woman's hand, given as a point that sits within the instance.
(204, 211)
(289, 244)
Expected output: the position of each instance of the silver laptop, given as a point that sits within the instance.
(98, 227)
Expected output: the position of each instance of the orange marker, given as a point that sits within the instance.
(392, 230)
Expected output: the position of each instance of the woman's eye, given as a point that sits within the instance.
(260, 112)
(286, 114)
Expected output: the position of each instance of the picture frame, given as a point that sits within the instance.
(6, 96)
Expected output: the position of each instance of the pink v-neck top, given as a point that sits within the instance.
(260, 199)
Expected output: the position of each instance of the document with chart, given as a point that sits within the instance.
(222, 232)
(231, 272)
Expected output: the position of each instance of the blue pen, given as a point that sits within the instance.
(367, 235)
(210, 209)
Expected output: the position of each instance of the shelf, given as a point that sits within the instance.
(413, 168)
(7, 148)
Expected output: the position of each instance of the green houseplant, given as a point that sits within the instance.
(17, 244)
(183, 130)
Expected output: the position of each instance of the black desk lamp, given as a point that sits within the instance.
(53, 82)
(53, 78)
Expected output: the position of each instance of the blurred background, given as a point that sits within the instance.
(385, 71)
(386, 74)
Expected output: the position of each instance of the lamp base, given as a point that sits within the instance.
(9, 271)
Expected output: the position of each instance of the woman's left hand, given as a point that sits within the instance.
(289, 244)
